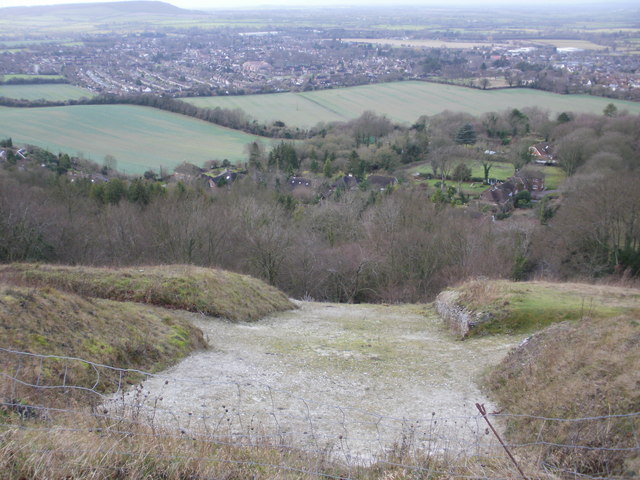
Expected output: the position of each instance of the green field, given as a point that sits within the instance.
(12, 76)
(23, 42)
(105, 21)
(500, 170)
(474, 189)
(402, 102)
(47, 91)
(553, 176)
(140, 138)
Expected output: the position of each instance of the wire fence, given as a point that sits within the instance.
(249, 414)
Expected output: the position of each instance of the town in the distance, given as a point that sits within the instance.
(228, 52)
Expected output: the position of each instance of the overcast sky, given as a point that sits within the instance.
(208, 4)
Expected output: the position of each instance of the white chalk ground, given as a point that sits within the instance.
(350, 379)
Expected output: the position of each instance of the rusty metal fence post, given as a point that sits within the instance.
(483, 412)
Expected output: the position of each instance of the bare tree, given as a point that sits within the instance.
(572, 151)
(265, 237)
(442, 161)
(597, 229)
(369, 127)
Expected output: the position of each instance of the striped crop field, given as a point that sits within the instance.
(140, 138)
(402, 102)
(54, 92)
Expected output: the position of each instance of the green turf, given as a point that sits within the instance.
(524, 307)
(531, 308)
(139, 138)
(553, 176)
(46, 91)
(499, 170)
(402, 102)
(468, 188)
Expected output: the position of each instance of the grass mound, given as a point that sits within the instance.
(580, 369)
(51, 322)
(482, 307)
(212, 292)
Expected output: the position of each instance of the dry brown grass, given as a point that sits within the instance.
(478, 293)
(579, 369)
(97, 449)
(92, 447)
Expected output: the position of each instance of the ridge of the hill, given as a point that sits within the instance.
(208, 291)
(97, 9)
(136, 318)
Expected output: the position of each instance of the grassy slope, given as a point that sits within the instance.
(529, 306)
(127, 318)
(580, 369)
(583, 362)
(125, 335)
(208, 291)
(139, 138)
(401, 102)
(51, 92)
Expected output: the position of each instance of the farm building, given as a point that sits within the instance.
(381, 181)
(502, 194)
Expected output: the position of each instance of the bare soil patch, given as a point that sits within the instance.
(351, 379)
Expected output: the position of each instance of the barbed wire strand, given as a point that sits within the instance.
(135, 406)
(195, 381)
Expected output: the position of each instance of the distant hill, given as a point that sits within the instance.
(97, 9)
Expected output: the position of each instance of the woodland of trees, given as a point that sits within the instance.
(403, 244)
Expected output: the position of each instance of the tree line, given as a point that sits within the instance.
(356, 245)
(394, 247)
(32, 81)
